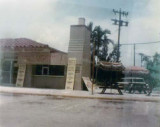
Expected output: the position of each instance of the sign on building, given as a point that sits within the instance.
(21, 75)
(88, 83)
(70, 73)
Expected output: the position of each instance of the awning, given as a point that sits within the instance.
(111, 66)
(136, 70)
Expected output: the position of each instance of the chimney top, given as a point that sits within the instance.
(81, 21)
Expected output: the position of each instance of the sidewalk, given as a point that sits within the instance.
(78, 94)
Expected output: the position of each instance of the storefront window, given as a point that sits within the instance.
(57, 70)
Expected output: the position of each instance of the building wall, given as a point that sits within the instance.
(56, 82)
(59, 58)
(76, 43)
(34, 57)
(86, 55)
(79, 48)
(28, 76)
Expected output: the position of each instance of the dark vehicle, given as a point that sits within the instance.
(132, 84)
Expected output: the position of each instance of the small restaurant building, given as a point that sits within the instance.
(27, 63)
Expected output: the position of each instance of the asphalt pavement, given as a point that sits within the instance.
(18, 110)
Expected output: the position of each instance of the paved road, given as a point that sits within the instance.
(48, 111)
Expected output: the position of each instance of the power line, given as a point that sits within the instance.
(134, 44)
(140, 43)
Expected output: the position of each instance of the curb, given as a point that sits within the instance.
(116, 98)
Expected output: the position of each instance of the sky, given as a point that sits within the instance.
(48, 21)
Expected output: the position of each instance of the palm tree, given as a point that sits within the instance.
(99, 37)
(112, 57)
(103, 53)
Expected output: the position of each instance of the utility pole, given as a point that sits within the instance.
(120, 23)
(93, 66)
(134, 54)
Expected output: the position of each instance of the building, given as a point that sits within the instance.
(44, 67)
(27, 63)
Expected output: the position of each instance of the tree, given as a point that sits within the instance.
(101, 41)
(112, 57)
(153, 65)
(99, 37)
(103, 53)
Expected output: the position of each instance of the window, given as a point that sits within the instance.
(9, 70)
(57, 70)
(45, 70)
(6, 66)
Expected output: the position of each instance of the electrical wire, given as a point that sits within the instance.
(141, 43)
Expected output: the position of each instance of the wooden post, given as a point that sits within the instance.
(93, 65)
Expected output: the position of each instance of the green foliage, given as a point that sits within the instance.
(99, 37)
(113, 55)
(152, 64)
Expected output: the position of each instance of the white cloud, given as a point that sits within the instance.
(33, 19)
(56, 34)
